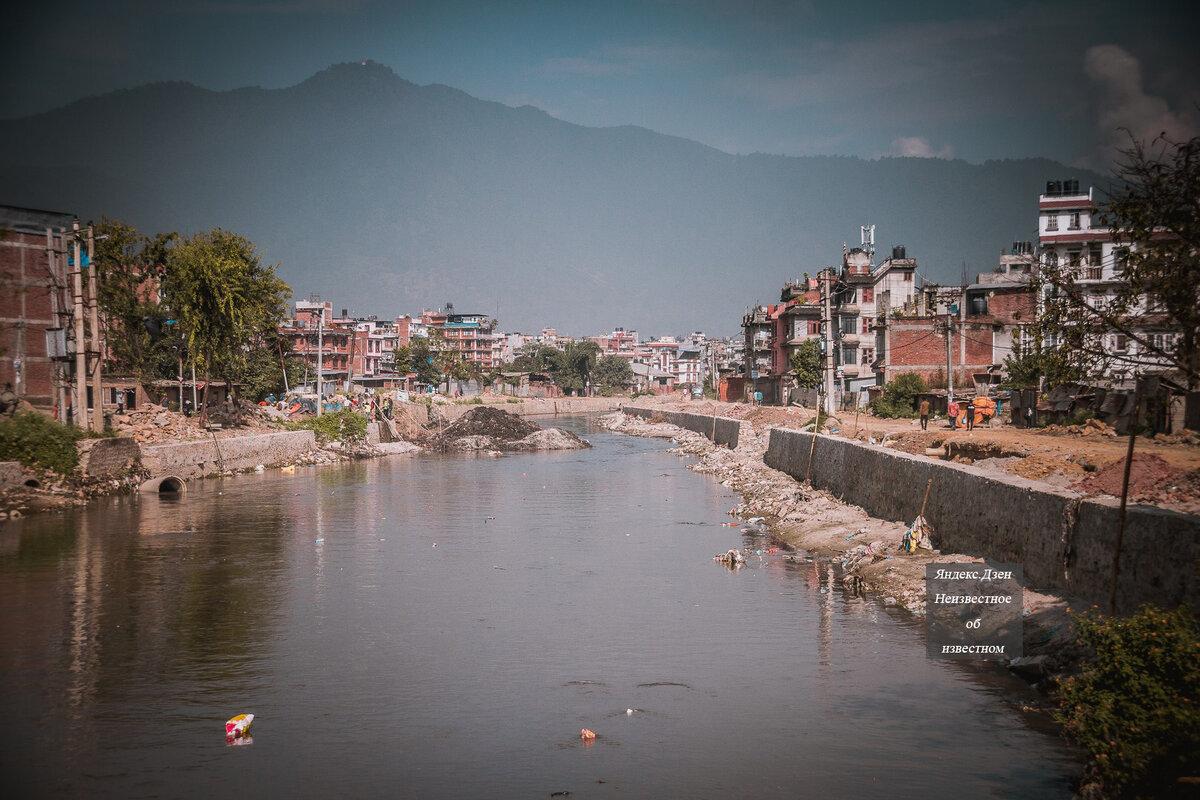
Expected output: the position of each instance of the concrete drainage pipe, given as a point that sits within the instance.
(164, 484)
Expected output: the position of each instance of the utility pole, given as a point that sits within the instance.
(320, 366)
(828, 362)
(94, 323)
(949, 363)
(60, 383)
(81, 418)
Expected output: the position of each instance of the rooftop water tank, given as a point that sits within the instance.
(898, 251)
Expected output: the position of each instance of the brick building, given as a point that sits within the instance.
(35, 304)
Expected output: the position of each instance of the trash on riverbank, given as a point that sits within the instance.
(730, 557)
(587, 734)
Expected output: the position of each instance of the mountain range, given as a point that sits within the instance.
(385, 197)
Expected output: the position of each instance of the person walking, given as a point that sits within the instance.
(971, 414)
(954, 411)
(924, 411)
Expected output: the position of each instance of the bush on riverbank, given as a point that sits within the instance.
(345, 426)
(38, 441)
(1136, 708)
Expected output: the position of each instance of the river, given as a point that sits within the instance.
(444, 626)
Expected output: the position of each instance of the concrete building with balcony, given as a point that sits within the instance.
(1071, 235)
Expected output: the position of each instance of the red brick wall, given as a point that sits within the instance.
(1011, 307)
(919, 345)
(25, 313)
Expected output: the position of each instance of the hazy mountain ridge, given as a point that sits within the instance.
(386, 197)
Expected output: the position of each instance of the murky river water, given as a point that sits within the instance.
(445, 626)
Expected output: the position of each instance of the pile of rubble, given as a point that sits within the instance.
(490, 429)
(1093, 427)
(152, 423)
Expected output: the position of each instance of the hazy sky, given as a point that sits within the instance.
(973, 80)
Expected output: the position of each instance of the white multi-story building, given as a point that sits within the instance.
(1071, 236)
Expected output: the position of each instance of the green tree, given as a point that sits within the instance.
(536, 357)
(1026, 366)
(262, 371)
(424, 360)
(130, 269)
(572, 365)
(899, 396)
(225, 299)
(612, 374)
(806, 363)
(1155, 218)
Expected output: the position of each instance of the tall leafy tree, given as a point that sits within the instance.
(130, 268)
(806, 363)
(225, 299)
(1155, 216)
(571, 366)
(612, 374)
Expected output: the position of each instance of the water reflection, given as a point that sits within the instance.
(446, 626)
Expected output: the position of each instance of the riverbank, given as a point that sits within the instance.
(811, 524)
(155, 447)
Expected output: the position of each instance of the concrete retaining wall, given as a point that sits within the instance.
(1064, 544)
(109, 457)
(721, 430)
(208, 456)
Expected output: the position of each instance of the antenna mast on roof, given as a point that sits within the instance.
(868, 243)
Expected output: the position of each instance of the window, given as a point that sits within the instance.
(868, 295)
(1052, 222)
(908, 277)
(814, 328)
(866, 325)
(1120, 343)
(1073, 221)
(868, 355)
(1052, 259)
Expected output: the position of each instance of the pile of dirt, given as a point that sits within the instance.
(1148, 475)
(1039, 466)
(488, 428)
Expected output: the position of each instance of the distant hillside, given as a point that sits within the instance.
(386, 197)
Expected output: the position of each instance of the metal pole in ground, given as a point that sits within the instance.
(1116, 565)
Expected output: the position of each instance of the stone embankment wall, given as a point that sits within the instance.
(1064, 543)
(721, 430)
(208, 456)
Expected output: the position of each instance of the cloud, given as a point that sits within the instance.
(919, 147)
(1124, 108)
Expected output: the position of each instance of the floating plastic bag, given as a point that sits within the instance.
(239, 726)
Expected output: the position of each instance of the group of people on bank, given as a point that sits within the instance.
(962, 415)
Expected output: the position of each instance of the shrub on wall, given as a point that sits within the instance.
(345, 426)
